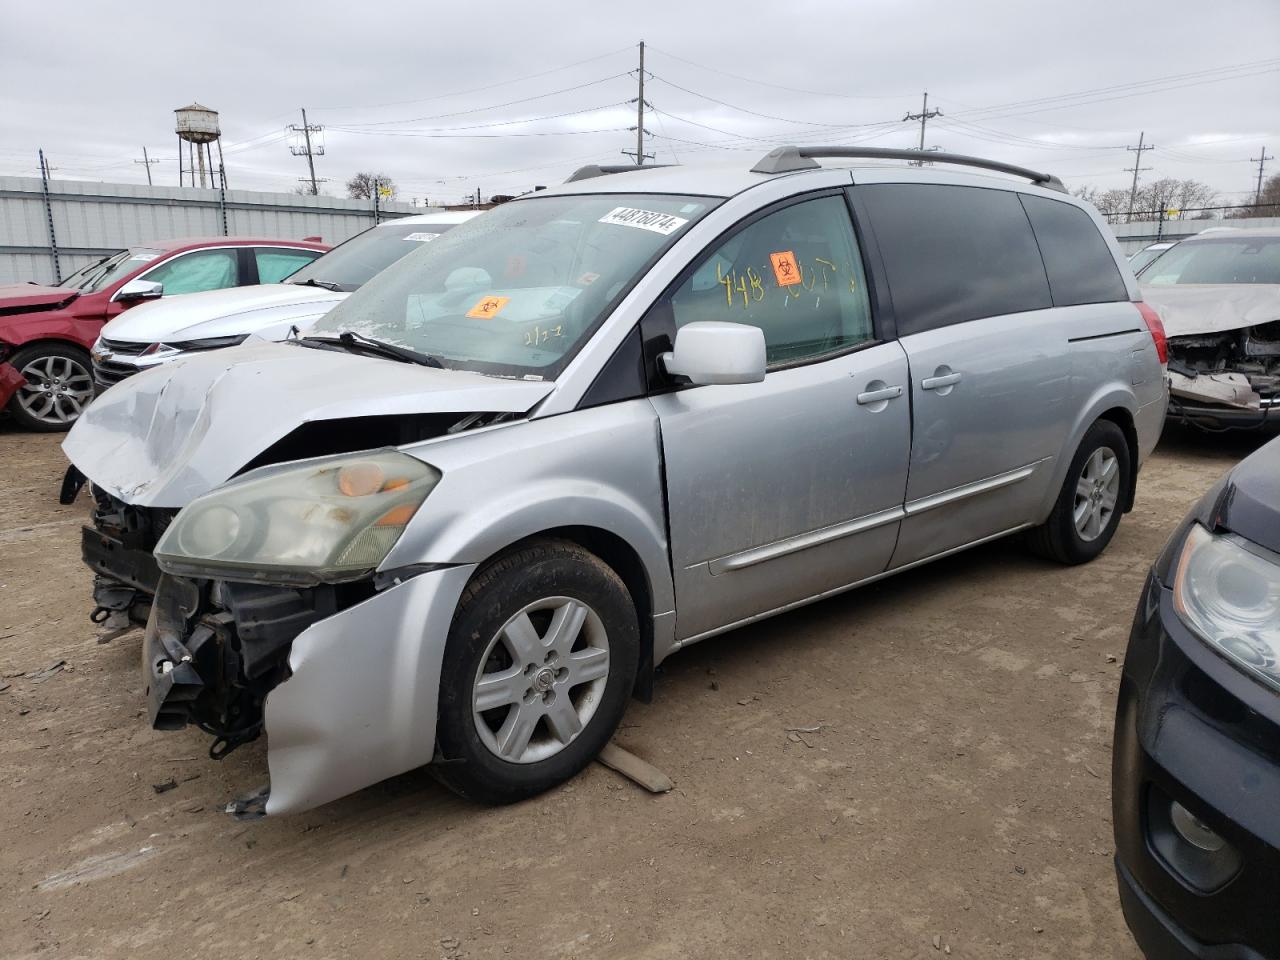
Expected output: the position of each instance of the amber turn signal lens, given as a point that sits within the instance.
(360, 479)
(397, 516)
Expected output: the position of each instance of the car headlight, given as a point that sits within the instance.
(322, 521)
(1228, 591)
(190, 346)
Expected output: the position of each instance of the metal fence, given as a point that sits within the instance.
(48, 229)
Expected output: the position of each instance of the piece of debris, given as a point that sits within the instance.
(1092, 772)
(291, 896)
(192, 806)
(5, 686)
(40, 676)
(450, 943)
(408, 879)
(813, 729)
(795, 737)
(42, 914)
(170, 784)
(252, 806)
(1111, 658)
(746, 700)
(1020, 871)
(179, 759)
(635, 769)
(937, 941)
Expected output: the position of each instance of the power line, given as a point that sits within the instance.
(482, 126)
(147, 162)
(924, 116)
(298, 150)
(776, 86)
(734, 106)
(492, 86)
(1137, 168)
(1261, 161)
(639, 155)
(493, 106)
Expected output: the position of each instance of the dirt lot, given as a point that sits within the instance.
(955, 799)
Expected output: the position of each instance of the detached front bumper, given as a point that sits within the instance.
(1194, 732)
(1226, 418)
(348, 700)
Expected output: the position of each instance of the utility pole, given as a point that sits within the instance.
(924, 116)
(1261, 160)
(307, 151)
(640, 156)
(1136, 169)
(45, 170)
(147, 162)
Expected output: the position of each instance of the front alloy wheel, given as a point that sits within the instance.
(540, 661)
(541, 680)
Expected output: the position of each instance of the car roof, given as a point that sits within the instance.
(727, 178)
(187, 243)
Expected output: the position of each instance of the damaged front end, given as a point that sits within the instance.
(1228, 378)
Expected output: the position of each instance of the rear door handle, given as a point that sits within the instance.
(875, 396)
(937, 383)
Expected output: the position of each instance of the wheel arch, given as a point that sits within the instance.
(1111, 402)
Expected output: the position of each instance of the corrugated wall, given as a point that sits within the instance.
(90, 219)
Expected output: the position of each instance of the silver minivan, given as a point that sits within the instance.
(462, 520)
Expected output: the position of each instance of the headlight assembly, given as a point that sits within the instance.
(1228, 591)
(323, 521)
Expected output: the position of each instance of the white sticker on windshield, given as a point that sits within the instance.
(144, 257)
(663, 223)
(420, 237)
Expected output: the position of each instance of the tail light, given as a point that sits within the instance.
(1157, 330)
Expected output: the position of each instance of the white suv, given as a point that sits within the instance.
(155, 333)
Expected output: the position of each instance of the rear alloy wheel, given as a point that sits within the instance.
(1088, 509)
(59, 386)
(539, 663)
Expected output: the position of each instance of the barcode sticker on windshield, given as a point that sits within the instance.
(662, 223)
(420, 237)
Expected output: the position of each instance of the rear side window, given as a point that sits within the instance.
(276, 263)
(954, 253)
(1077, 259)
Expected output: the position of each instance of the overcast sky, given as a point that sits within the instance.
(427, 91)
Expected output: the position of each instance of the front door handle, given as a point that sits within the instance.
(938, 383)
(875, 396)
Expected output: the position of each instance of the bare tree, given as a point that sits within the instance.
(362, 185)
(1268, 204)
(1169, 193)
(1109, 203)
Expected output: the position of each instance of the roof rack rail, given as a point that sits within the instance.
(789, 159)
(592, 170)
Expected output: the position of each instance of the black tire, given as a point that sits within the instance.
(1058, 537)
(498, 592)
(56, 352)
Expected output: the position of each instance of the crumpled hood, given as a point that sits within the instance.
(163, 437)
(17, 296)
(1193, 308)
(219, 313)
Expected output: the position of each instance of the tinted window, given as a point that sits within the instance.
(276, 263)
(1077, 259)
(954, 253)
(796, 274)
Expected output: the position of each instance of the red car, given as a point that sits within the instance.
(46, 377)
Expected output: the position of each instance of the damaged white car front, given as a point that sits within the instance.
(1219, 299)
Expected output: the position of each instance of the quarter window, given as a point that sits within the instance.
(796, 274)
(954, 253)
(195, 272)
(1077, 259)
(276, 263)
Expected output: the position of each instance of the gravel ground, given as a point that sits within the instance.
(955, 799)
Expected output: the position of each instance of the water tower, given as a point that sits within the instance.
(197, 126)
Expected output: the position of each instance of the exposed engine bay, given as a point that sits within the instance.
(1237, 369)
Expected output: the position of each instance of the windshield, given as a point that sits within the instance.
(517, 291)
(103, 273)
(1229, 260)
(352, 264)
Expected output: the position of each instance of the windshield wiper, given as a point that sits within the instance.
(313, 282)
(358, 341)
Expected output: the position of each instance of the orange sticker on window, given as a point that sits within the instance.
(488, 308)
(785, 269)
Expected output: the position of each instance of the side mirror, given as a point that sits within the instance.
(713, 351)
(140, 290)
